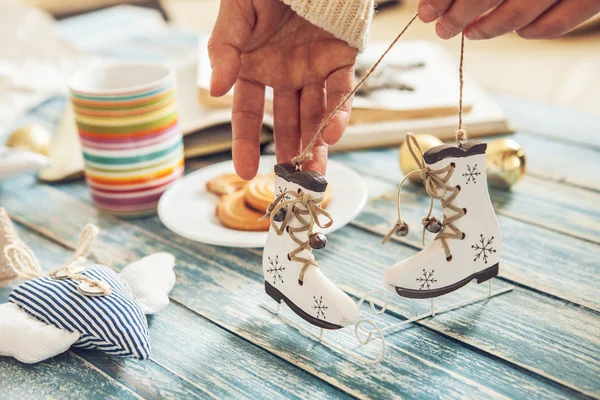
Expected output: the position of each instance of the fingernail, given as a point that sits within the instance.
(428, 13)
(472, 35)
(212, 78)
(442, 32)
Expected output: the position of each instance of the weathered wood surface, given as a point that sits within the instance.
(532, 253)
(540, 341)
(196, 369)
(215, 279)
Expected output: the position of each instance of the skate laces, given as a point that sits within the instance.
(288, 202)
(435, 185)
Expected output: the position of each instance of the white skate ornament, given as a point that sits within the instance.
(82, 304)
(468, 243)
(292, 275)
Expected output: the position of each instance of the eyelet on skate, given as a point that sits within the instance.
(299, 191)
(287, 228)
(300, 282)
(449, 258)
(465, 211)
(464, 235)
(453, 164)
(458, 187)
(289, 258)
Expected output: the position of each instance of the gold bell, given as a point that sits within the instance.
(34, 138)
(506, 163)
(408, 163)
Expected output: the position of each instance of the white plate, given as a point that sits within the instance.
(188, 209)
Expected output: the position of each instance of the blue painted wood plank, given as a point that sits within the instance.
(65, 376)
(552, 248)
(238, 271)
(552, 122)
(533, 200)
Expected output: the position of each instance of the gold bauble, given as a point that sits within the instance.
(34, 138)
(408, 163)
(506, 163)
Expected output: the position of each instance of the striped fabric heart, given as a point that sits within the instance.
(114, 324)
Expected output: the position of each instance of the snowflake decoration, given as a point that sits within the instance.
(471, 174)
(426, 280)
(281, 191)
(483, 248)
(276, 269)
(319, 307)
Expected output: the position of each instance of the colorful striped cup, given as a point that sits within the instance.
(126, 115)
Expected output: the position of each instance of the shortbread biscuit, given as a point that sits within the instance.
(225, 184)
(235, 214)
(259, 193)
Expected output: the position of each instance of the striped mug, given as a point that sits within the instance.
(126, 115)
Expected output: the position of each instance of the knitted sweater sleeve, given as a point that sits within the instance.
(348, 20)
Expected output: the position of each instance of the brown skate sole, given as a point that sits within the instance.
(278, 296)
(481, 276)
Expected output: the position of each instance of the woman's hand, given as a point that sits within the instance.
(258, 43)
(486, 19)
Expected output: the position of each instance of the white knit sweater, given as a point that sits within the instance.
(348, 20)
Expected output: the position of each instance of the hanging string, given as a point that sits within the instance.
(82, 251)
(461, 134)
(307, 152)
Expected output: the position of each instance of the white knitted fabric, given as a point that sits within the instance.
(348, 20)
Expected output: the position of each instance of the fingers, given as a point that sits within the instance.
(312, 111)
(246, 124)
(286, 114)
(560, 19)
(510, 15)
(339, 84)
(430, 10)
(232, 29)
(458, 16)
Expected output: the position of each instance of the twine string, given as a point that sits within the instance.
(461, 134)
(307, 152)
(22, 260)
(25, 265)
(86, 238)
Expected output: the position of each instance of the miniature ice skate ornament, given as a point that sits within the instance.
(468, 241)
(290, 270)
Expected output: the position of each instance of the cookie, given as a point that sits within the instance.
(260, 192)
(235, 214)
(225, 184)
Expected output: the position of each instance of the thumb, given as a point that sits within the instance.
(232, 29)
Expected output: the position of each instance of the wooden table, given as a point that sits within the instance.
(542, 340)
